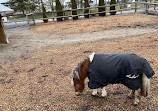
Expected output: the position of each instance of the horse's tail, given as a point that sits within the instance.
(145, 90)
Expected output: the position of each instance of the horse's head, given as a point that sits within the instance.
(79, 75)
(78, 81)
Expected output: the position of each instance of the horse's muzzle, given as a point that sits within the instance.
(78, 93)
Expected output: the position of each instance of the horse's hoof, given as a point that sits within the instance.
(136, 102)
(130, 96)
(104, 94)
(78, 93)
(95, 95)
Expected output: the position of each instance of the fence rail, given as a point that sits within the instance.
(30, 19)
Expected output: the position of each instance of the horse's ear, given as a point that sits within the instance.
(76, 75)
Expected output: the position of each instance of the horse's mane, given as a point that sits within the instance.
(79, 66)
(82, 63)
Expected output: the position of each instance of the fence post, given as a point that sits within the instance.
(146, 8)
(136, 5)
(71, 16)
(155, 5)
(121, 7)
(27, 19)
(89, 12)
(15, 21)
(3, 37)
(53, 15)
(105, 9)
(33, 19)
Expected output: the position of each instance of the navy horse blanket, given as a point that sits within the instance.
(125, 68)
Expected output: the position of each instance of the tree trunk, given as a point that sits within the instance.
(59, 9)
(101, 9)
(74, 6)
(44, 13)
(23, 12)
(86, 4)
(112, 7)
(3, 37)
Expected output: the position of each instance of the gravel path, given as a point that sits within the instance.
(23, 41)
(27, 41)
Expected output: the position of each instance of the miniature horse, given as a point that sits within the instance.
(87, 68)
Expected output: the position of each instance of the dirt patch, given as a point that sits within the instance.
(23, 41)
(96, 24)
(41, 80)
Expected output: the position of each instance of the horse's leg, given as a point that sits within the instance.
(131, 94)
(104, 93)
(136, 97)
(94, 92)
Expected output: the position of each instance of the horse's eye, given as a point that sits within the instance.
(75, 81)
(77, 86)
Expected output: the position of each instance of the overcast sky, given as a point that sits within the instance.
(2, 1)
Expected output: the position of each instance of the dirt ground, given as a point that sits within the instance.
(23, 41)
(39, 79)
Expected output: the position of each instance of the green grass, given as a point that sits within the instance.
(16, 17)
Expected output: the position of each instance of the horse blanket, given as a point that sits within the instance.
(125, 68)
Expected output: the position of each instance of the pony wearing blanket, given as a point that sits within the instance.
(128, 69)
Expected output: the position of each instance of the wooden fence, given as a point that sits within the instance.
(31, 17)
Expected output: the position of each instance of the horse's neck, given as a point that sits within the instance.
(85, 68)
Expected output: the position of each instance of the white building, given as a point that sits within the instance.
(4, 10)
